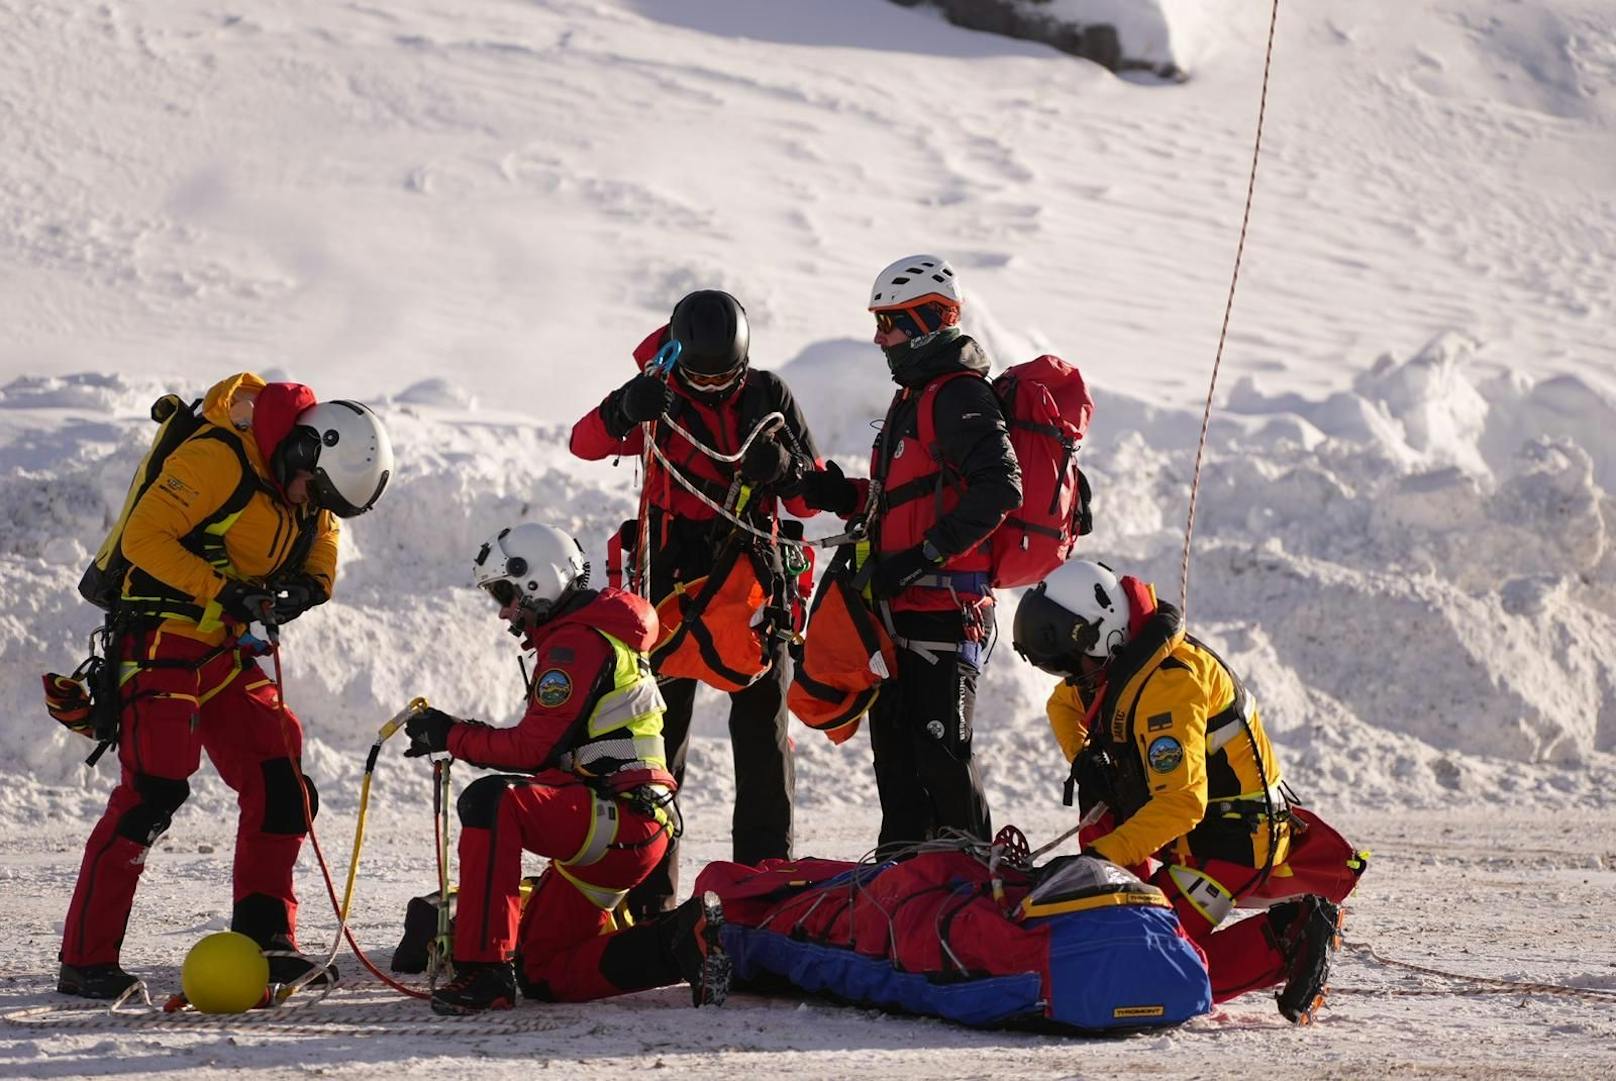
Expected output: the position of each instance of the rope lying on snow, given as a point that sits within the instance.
(1480, 985)
(328, 1020)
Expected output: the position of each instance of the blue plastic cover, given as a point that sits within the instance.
(1124, 967)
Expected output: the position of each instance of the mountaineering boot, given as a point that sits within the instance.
(1311, 937)
(477, 986)
(697, 949)
(94, 981)
(287, 964)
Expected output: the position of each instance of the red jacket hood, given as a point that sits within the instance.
(627, 617)
(1141, 603)
(647, 350)
(275, 414)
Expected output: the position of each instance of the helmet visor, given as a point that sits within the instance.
(503, 590)
(1049, 636)
(329, 497)
(298, 452)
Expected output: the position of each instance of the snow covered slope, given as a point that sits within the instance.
(1403, 532)
(1404, 526)
(468, 211)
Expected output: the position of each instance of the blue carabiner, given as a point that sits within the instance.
(665, 358)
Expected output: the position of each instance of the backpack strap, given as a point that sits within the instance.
(926, 416)
(148, 598)
(926, 431)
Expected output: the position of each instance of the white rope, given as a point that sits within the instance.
(340, 1015)
(816, 542)
(768, 424)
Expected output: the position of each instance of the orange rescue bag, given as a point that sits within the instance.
(845, 658)
(720, 629)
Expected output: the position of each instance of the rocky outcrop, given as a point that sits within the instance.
(1032, 20)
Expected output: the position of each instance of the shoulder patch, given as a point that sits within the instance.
(553, 688)
(1166, 754)
(561, 655)
(1158, 722)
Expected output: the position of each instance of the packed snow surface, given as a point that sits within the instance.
(468, 213)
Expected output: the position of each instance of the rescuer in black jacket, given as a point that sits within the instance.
(948, 477)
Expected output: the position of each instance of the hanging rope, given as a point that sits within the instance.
(343, 929)
(1228, 308)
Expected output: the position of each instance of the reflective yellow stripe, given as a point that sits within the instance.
(602, 832)
(634, 708)
(1151, 897)
(598, 896)
(235, 670)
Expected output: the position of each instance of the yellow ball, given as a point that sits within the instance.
(225, 973)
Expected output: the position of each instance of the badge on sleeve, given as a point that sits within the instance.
(1165, 754)
(554, 688)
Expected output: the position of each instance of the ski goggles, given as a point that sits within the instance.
(903, 319)
(703, 382)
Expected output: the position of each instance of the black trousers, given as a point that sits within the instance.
(765, 775)
(920, 731)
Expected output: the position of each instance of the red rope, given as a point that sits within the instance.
(314, 840)
(1228, 308)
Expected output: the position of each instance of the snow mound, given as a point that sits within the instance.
(1414, 575)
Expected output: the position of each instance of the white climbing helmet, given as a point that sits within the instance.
(1078, 609)
(345, 447)
(914, 280)
(533, 564)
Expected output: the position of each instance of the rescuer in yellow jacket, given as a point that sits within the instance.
(1160, 731)
(238, 526)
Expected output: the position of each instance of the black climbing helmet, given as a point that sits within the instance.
(713, 334)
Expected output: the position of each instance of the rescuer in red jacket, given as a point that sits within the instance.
(934, 506)
(592, 792)
(717, 396)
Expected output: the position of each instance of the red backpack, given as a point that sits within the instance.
(1048, 407)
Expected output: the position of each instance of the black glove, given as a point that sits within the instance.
(429, 732)
(767, 462)
(827, 489)
(895, 572)
(1093, 779)
(643, 398)
(245, 602)
(296, 595)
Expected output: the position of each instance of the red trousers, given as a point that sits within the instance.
(567, 946)
(1244, 956)
(227, 706)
